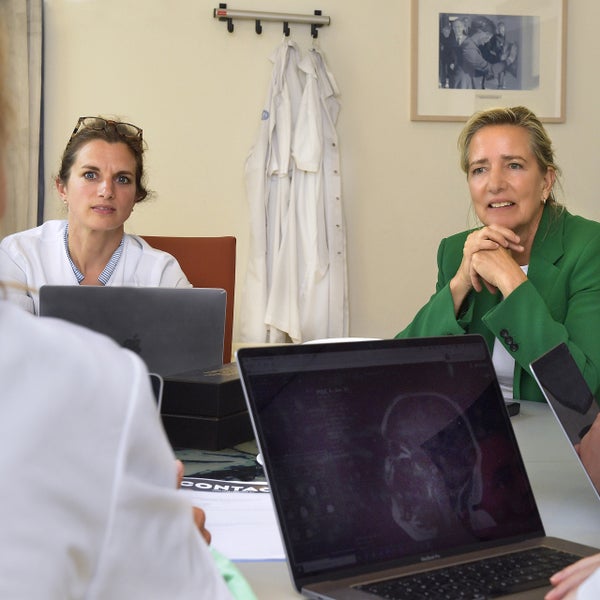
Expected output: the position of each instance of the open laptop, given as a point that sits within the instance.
(390, 458)
(567, 393)
(172, 329)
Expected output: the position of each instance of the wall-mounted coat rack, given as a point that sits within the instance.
(315, 21)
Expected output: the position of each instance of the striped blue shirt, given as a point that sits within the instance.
(108, 269)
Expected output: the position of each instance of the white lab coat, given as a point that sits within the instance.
(296, 284)
(268, 173)
(90, 507)
(37, 256)
(308, 296)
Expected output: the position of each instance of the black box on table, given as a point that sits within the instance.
(205, 409)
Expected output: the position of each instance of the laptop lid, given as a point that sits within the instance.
(567, 393)
(172, 329)
(386, 453)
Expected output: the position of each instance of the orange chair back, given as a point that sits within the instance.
(207, 262)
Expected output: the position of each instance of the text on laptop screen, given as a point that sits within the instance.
(384, 454)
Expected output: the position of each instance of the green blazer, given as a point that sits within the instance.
(559, 302)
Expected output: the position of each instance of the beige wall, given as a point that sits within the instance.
(198, 91)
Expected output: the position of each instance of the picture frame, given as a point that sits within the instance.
(469, 55)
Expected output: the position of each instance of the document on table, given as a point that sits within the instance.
(240, 517)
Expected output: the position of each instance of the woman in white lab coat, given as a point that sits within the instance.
(101, 179)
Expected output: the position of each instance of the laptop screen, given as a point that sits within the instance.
(380, 452)
(566, 391)
(568, 395)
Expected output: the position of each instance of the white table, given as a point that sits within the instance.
(568, 505)
(566, 500)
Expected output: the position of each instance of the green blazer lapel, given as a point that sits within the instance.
(547, 249)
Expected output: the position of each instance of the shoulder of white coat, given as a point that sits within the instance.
(49, 230)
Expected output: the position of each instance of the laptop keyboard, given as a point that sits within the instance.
(487, 578)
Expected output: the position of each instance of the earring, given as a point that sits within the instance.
(544, 200)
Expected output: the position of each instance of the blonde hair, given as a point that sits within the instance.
(520, 116)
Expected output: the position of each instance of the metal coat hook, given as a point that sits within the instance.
(314, 28)
(228, 15)
(229, 20)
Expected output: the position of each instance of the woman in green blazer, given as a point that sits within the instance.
(529, 278)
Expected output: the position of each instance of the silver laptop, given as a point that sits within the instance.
(567, 393)
(396, 458)
(172, 329)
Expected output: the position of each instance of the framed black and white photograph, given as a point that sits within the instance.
(469, 55)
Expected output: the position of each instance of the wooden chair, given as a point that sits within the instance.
(207, 262)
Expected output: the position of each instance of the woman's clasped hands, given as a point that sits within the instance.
(490, 259)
